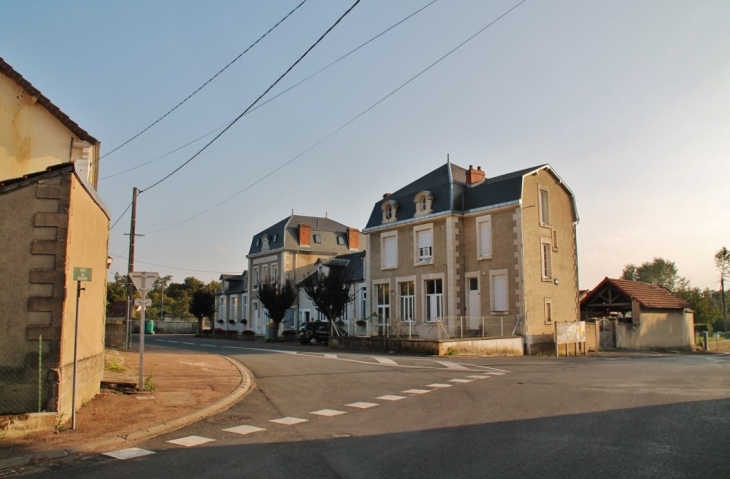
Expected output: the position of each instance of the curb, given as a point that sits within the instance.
(239, 393)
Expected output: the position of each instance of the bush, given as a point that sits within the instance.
(289, 335)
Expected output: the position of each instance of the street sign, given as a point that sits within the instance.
(147, 302)
(144, 281)
(82, 274)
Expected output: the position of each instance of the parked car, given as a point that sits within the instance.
(314, 333)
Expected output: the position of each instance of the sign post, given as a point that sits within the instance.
(143, 281)
(80, 275)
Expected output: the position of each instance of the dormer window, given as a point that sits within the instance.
(340, 240)
(317, 238)
(276, 237)
(390, 209)
(424, 203)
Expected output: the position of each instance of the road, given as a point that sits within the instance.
(369, 416)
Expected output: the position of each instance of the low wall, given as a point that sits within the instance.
(114, 332)
(169, 327)
(20, 424)
(511, 346)
(660, 330)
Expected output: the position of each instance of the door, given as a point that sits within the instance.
(475, 306)
(434, 299)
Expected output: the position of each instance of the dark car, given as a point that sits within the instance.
(314, 333)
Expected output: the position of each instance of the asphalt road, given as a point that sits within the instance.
(652, 416)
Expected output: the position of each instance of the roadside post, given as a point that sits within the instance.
(80, 275)
(143, 281)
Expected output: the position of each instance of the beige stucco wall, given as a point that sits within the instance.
(86, 247)
(564, 295)
(671, 328)
(31, 139)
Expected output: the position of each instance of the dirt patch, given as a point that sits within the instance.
(183, 382)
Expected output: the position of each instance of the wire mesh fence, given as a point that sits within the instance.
(439, 329)
(24, 372)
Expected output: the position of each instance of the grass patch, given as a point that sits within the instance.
(148, 386)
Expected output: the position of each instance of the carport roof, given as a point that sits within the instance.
(650, 296)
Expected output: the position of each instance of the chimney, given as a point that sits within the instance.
(305, 235)
(474, 176)
(353, 238)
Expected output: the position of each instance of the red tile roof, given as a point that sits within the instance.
(648, 295)
(10, 72)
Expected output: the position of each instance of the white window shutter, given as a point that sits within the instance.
(485, 238)
(500, 293)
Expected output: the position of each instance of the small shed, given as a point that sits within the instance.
(644, 316)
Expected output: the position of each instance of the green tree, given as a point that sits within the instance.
(722, 261)
(277, 298)
(659, 271)
(116, 290)
(704, 303)
(330, 293)
(202, 305)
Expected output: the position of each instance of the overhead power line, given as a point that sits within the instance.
(341, 127)
(280, 93)
(165, 266)
(255, 101)
(207, 82)
(120, 216)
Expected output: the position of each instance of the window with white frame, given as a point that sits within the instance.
(544, 205)
(548, 310)
(234, 307)
(390, 209)
(424, 202)
(222, 312)
(546, 259)
(382, 292)
(484, 237)
(407, 290)
(423, 244)
(275, 273)
(265, 274)
(256, 281)
(389, 250)
(434, 299)
(499, 293)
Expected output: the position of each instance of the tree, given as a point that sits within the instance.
(705, 305)
(276, 298)
(202, 306)
(116, 291)
(722, 261)
(330, 293)
(659, 271)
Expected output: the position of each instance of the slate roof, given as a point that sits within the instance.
(235, 283)
(10, 72)
(650, 296)
(285, 234)
(448, 185)
(354, 264)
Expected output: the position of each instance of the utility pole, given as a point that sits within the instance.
(724, 314)
(130, 268)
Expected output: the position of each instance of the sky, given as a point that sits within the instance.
(627, 100)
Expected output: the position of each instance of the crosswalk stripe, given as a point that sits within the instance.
(384, 360)
(451, 365)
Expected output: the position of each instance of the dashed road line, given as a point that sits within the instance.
(328, 412)
(362, 405)
(128, 453)
(390, 397)
(384, 360)
(450, 365)
(418, 391)
(243, 430)
(438, 385)
(191, 441)
(288, 421)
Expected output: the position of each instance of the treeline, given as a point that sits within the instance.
(174, 299)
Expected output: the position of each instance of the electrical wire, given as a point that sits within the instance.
(280, 93)
(169, 267)
(120, 216)
(255, 101)
(206, 83)
(340, 128)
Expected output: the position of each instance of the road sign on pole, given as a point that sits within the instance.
(144, 281)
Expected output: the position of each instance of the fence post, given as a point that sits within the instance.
(40, 372)
(501, 326)
(461, 327)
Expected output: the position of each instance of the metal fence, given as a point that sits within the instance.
(444, 328)
(24, 372)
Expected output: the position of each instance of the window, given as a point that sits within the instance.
(340, 240)
(390, 208)
(383, 303)
(256, 278)
(389, 251)
(544, 205)
(407, 300)
(265, 274)
(548, 310)
(317, 238)
(499, 296)
(234, 307)
(424, 245)
(222, 312)
(546, 259)
(275, 273)
(363, 302)
(484, 237)
(555, 240)
(434, 299)
(276, 237)
(258, 242)
(423, 201)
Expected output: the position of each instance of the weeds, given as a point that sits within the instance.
(148, 386)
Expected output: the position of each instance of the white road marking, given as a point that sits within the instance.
(479, 377)
(327, 412)
(208, 345)
(418, 391)
(438, 385)
(129, 453)
(451, 365)
(191, 441)
(384, 360)
(243, 429)
(288, 421)
(173, 342)
(233, 347)
(362, 405)
(330, 356)
(189, 344)
(493, 373)
(460, 381)
(391, 397)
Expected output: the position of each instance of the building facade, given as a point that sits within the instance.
(290, 250)
(456, 249)
(231, 312)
